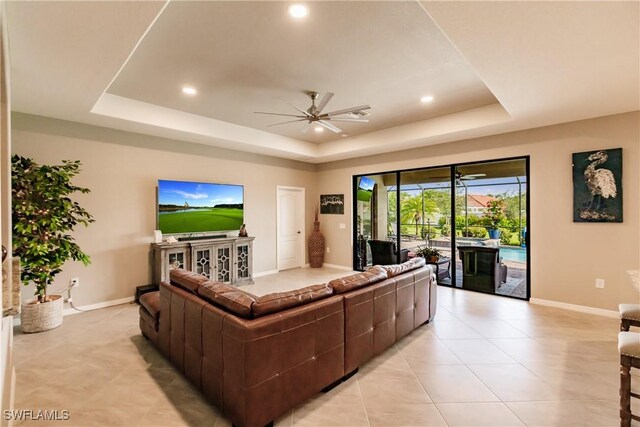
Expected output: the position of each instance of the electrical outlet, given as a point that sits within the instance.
(342, 226)
(600, 283)
(74, 282)
(328, 249)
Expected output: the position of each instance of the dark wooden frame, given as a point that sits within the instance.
(626, 363)
(625, 324)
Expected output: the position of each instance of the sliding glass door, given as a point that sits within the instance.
(425, 217)
(491, 219)
(468, 220)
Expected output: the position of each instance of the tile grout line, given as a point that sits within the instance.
(482, 382)
(422, 385)
(366, 412)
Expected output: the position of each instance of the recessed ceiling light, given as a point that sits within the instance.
(319, 129)
(298, 11)
(189, 90)
(426, 99)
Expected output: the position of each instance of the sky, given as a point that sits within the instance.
(366, 183)
(198, 193)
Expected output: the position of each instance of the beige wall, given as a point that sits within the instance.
(122, 170)
(566, 257)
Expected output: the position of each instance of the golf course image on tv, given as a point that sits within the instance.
(190, 207)
(365, 189)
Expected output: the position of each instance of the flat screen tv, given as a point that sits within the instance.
(194, 207)
(365, 189)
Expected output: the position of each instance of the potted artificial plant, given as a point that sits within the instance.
(43, 216)
(494, 216)
(429, 254)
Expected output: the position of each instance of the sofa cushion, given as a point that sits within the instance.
(629, 311)
(232, 299)
(187, 280)
(396, 269)
(358, 280)
(151, 303)
(278, 301)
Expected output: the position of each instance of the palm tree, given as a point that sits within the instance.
(415, 209)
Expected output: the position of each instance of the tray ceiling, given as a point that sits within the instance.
(493, 67)
(242, 56)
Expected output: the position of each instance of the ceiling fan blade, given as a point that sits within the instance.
(324, 101)
(293, 106)
(278, 114)
(306, 128)
(349, 120)
(348, 110)
(290, 121)
(329, 126)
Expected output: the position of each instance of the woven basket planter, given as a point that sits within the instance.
(42, 317)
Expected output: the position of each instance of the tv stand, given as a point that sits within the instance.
(206, 237)
(220, 258)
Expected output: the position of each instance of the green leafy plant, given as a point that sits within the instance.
(412, 208)
(505, 237)
(475, 231)
(427, 252)
(495, 213)
(43, 216)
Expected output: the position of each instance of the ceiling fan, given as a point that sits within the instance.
(463, 177)
(314, 114)
(469, 176)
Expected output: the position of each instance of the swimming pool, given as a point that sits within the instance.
(513, 254)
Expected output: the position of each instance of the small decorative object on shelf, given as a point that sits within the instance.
(243, 231)
(316, 244)
(171, 239)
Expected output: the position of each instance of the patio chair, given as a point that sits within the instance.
(482, 268)
(383, 252)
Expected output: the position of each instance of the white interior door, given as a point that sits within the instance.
(291, 234)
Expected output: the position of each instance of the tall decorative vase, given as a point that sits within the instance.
(316, 246)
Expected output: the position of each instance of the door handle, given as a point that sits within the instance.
(298, 232)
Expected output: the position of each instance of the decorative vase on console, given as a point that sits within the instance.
(316, 244)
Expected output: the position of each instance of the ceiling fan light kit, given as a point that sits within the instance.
(314, 114)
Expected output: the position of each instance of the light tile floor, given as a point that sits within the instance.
(484, 361)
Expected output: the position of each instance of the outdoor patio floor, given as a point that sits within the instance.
(515, 286)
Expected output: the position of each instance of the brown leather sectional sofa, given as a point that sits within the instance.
(257, 357)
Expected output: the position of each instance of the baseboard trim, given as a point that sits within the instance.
(265, 273)
(69, 310)
(338, 267)
(575, 307)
